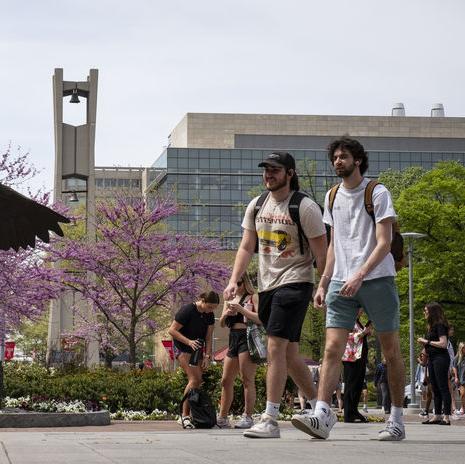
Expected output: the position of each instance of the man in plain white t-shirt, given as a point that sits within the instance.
(359, 272)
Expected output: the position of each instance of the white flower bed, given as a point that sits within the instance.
(25, 402)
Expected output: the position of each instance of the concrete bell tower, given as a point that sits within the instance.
(74, 184)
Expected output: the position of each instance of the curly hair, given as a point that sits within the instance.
(352, 146)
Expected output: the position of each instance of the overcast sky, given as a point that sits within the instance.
(159, 59)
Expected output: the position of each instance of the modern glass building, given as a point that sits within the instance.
(214, 185)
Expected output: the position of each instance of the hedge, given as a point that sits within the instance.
(146, 389)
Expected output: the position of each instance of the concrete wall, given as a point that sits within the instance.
(216, 130)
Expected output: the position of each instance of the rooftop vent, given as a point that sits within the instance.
(398, 109)
(437, 111)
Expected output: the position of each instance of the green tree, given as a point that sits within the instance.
(433, 203)
(31, 338)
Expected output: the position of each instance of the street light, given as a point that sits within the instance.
(411, 237)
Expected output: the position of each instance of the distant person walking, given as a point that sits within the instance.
(359, 272)
(435, 343)
(354, 361)
(243, 307)
(285, 278)
(381, 381)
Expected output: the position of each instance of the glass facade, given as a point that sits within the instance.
(213, 186)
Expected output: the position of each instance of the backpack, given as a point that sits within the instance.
(203, 412)
(397, 242)
(294, 205)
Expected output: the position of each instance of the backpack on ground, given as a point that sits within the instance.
(294, 205)
(203, 412)
(397, 242)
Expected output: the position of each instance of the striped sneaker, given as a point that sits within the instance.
(392, 432)
(316, 426)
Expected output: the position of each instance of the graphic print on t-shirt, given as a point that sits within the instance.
(275, 240)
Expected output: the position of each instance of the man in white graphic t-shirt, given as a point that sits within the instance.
(285, 279)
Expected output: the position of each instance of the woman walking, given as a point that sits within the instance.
(435, 343)
(192, 330)
(237, 361)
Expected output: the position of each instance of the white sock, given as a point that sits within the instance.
(272, 409)
(396, 414)
(322, 408)
(313, 404)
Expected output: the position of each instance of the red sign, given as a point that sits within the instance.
(168, 344)
(9, 350)
(148, 364)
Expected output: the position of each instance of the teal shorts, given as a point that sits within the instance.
(377, 297)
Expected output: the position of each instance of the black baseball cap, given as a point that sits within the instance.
(278, 158)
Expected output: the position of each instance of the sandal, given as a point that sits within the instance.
(432, 422)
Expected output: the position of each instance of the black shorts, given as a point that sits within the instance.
(282, 310)
(237, 342)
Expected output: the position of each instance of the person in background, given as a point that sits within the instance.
(381, 380)
(422, 383)
(236, 313)
(459, 377)
(435, 343)
(192, 330)
(338, 393)
(354, 361)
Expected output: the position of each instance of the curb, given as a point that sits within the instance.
(53, 419)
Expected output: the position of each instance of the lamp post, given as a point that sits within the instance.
(411, 237)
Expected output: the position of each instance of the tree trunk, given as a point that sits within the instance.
(108, 357)
(132, 345)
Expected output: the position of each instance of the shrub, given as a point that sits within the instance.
(146, 390)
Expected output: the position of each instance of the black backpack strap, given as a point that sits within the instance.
(370, 209)
(332, 197)
(294, 207)
(257, 207)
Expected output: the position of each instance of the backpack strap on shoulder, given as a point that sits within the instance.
(332, 197)
(294, 207)
(258, 205)
(369, 199)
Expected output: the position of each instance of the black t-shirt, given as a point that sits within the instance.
(194, 325)
(438, 330)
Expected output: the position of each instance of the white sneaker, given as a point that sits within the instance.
(392, 432)
(245, 422)
(267, 427)
(185, 422)
(316, 426)
(365, 409)
(223, 422)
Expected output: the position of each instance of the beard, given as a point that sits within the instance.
(346, 172)
(276, 185)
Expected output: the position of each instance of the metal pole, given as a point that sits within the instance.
(413, 402)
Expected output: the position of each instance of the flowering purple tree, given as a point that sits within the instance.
(136, 271)
(26, 285)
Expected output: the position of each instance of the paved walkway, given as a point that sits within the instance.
(166, 443)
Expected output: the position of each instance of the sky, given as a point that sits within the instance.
(158, 60)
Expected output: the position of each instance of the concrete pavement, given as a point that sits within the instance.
(168, 444)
